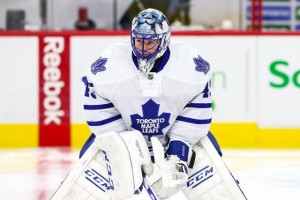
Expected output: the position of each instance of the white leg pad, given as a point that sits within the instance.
(110, 169)
(210, 178)
(88, 179)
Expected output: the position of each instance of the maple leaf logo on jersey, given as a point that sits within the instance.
(98, 65)
(150, 123)
(201, 65)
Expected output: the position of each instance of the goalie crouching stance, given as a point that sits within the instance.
(118, 166)
(153, 94)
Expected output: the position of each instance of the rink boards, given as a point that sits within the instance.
(255, 81)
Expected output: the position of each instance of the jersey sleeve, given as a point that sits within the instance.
(194, 121)
(100, 114)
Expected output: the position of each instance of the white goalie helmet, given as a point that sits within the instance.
(150, 37)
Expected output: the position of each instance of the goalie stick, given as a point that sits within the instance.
(149, 189)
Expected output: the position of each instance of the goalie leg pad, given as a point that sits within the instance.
(128, 155)
(210, 178)
(88, 179)
(111, 168)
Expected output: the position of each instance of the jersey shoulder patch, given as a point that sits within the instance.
(187, 65)
(114, 65)
(201, 65)
(98, 65)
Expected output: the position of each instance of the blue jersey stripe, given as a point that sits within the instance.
(98, 107)
(199, 105)
(193, 121)
(106, 121)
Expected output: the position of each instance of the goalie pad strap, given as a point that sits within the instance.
(192, 161)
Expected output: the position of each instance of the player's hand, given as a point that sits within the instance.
(172, 179)
(170, 175)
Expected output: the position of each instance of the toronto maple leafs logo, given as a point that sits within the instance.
(98, 65)
(150, 123)
(201, 65)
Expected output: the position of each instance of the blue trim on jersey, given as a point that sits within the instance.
(193, 121)
(98, 107)
(164, 60)
(159, 63)
(199, 105)
(106, 121)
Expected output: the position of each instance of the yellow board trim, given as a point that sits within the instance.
(229, 135)
(79, 134)
(18, 135)
(248, 135)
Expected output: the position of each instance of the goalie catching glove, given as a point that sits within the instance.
(172, 172)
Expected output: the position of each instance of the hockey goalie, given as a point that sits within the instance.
(148, 104)
(118, 166)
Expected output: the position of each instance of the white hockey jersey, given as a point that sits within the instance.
(175, 101)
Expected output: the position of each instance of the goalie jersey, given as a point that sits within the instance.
(174, 102)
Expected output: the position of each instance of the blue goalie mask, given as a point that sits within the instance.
(150, 37)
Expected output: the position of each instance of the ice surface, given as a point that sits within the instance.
(34, 174)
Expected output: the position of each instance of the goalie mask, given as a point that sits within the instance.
(150, 37)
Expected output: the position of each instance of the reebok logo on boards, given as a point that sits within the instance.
(52, 80)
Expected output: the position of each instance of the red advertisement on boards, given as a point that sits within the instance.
(54, 91)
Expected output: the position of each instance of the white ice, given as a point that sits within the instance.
(34, 174)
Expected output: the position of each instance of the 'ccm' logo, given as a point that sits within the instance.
(97, 179)
(200, 176)
(52, 83)
(109, 170)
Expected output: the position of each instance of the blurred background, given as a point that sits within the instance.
(46, 46)
(251, 45)
(183, 14)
